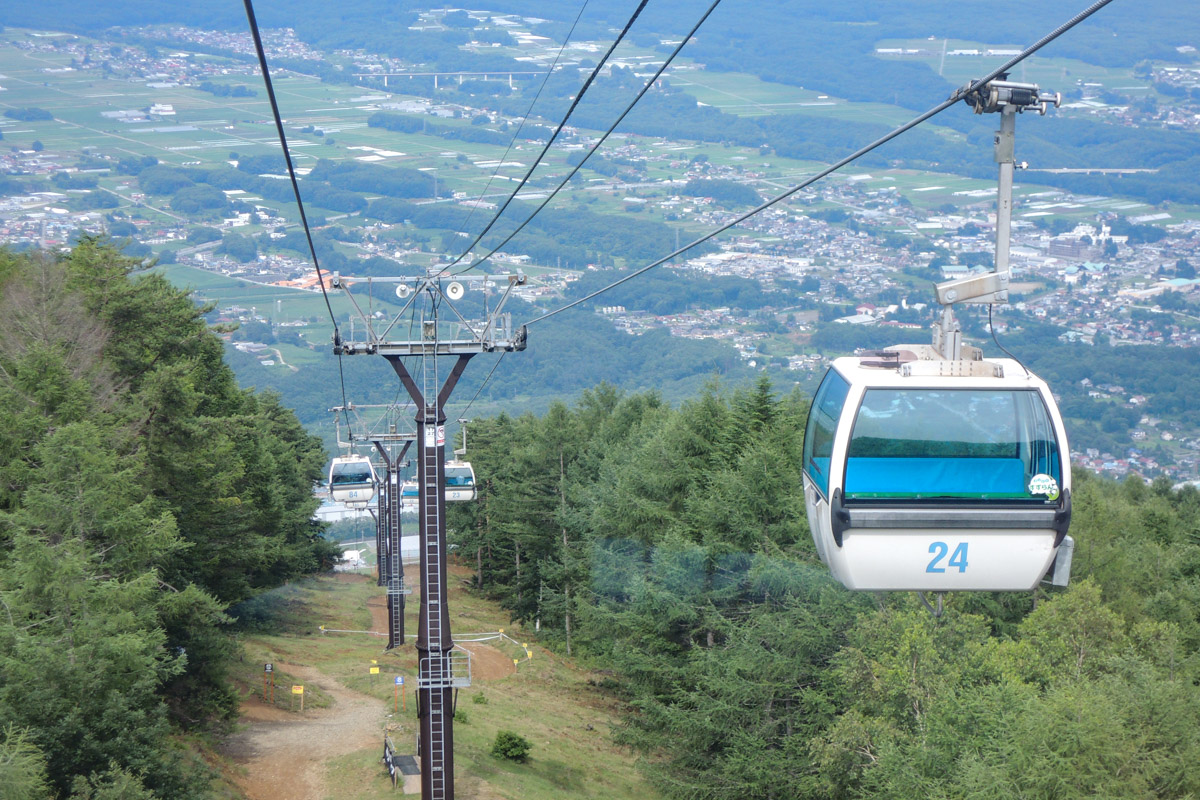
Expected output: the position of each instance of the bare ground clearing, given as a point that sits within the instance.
(284, 755)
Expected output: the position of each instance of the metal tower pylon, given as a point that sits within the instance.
(391, 565)
(435, 682)
(437, 677)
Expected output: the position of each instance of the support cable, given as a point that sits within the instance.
(287, 157)
(485, 383)
(578, 96)
(524, 119)
(958, 94)
(596, 146)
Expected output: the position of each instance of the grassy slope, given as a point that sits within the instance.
(549, 700)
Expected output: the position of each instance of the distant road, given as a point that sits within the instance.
(279, 356)
(1091, 170)
(187, 251)
(133, 202)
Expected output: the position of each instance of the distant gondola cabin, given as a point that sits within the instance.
(460, 481)
(352, 481)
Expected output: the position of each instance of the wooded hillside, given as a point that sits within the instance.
(142, 494)
(670, 545)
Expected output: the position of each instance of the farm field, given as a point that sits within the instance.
(330, 121)
(1056, 74)
(750, 96)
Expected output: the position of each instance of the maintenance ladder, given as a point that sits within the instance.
(434, 675)
(396, 590)
(381, 538)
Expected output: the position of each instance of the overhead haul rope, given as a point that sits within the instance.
(599, 142)
(579, 166)
(940, 107)
(524, 119)
(287, 157)
(578, 96)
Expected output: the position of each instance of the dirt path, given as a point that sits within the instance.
(379, 617)
(279, 356)
(487, 662)
(285, 755)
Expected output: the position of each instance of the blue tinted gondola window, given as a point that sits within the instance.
(914, 444)
(459, 475)
(351, 474)
(822, 425)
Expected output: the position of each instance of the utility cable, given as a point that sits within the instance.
(578, 96)
(599, 142)
(485, 383)
(524, 119)
(958, 94)
(287, 157)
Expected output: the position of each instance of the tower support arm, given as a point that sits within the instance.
(451, 381)
(418, 397)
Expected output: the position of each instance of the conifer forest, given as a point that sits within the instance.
(635, 509)
(142, 495)
(671, 545)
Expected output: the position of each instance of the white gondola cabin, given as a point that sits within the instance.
(410, 496)
(932, 475)
(352, 481)
(460, 481)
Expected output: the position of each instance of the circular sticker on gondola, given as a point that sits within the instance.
(1044, 484)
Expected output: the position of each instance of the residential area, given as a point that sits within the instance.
(861, 248)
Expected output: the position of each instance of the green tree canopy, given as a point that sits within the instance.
(671, 546)
(141, 494)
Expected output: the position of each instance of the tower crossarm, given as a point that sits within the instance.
(493, 333)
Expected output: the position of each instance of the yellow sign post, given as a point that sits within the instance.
(298, 689)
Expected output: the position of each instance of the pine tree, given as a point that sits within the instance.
(141, 493)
